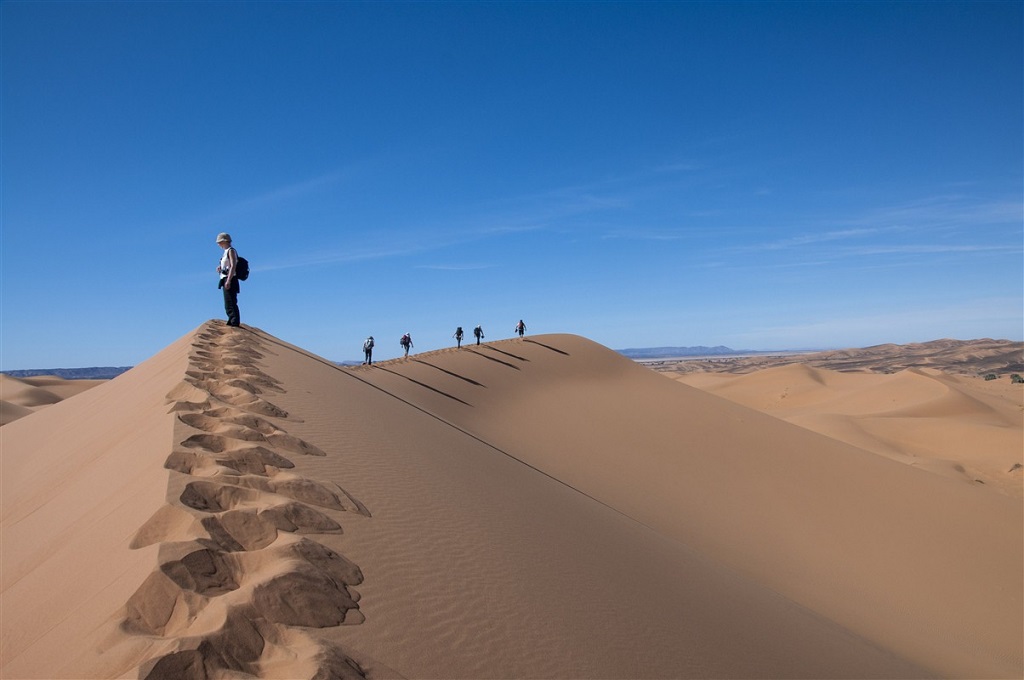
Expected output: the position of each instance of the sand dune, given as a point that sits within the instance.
(237, 507)
(962, 427)
(20, 397)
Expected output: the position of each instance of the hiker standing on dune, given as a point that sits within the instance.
(368, 350)
(406, 343)
(458, 336)
(478, 333)
(228, 280)
(520, 328)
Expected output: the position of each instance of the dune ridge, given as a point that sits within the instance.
(810, 506)
(537, 507)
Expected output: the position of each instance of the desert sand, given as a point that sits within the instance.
(20, 397)
(530, 508)
(963, 427)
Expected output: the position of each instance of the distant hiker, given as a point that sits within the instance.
(478, 333)
(458, 336)
(228, 280)
(520, 328)
(368, 350)
(406, 343)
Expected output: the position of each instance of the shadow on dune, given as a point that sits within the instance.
(422, 384)
(451, 373)
(494, 359)
(553, 349)
(508, 354)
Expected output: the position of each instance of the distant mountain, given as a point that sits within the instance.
(664, 352)
(92, 373)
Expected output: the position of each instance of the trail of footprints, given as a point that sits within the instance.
(241, 580)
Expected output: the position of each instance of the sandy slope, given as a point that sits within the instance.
(527, 508)
(77, 480)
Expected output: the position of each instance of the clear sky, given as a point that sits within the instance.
(760, 175)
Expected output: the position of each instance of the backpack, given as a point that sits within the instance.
(368, 344)
(241, 268)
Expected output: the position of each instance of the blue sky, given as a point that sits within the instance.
(758, 175)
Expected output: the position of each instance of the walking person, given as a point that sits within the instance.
(478, 333)
(406, 343)
(228, 280)
(368, 350)
(458, 336)
(520, 328)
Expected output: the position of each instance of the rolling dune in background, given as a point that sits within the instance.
(237, 507)
(962, 427)
(20, 397)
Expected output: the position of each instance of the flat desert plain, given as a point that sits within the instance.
(543, 507)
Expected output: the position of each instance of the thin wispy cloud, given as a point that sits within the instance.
(679, 167)
(931, 322)
(614, 193)
(325, 257)
(455, 267)
(925, 249)
(943, 211)
(937, 225)
(646, 234)
(412, 241)
(568, 201)
(267, 200)
(823, 237)
(289, 192)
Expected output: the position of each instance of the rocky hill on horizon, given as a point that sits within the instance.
(86, 373)
(671, 352)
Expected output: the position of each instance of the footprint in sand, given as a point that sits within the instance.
(250, 530)
(241, 396)
(207, 572)
(245, 427)
(238, 646)
(212, 497)
(254, 460)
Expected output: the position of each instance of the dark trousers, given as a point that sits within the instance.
(231, 302)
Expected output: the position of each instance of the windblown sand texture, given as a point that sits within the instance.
(237, 507)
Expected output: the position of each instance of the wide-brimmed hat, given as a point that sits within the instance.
(223, 236)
